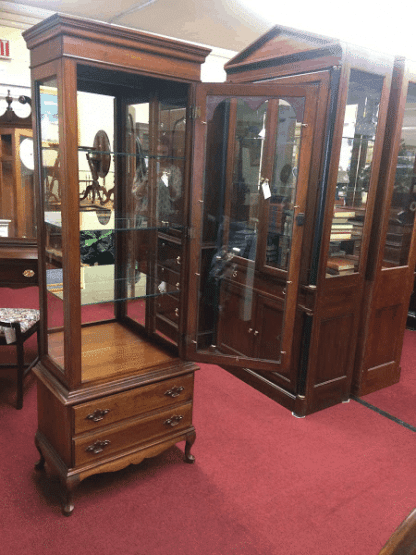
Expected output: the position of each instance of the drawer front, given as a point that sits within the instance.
(137, 431)
(168, 306)
(171, 278)
(114, 408)
(170, 254)
(23, 272)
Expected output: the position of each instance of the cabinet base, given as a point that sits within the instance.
(71, 477)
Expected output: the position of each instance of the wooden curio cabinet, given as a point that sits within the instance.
(392, 253)
(238, 224)
(315, 217)
(113, 162)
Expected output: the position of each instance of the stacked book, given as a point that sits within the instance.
(339, 266)
(342, 227)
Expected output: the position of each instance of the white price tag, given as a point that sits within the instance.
(266, 190)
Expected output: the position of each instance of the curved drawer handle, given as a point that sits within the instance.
(98, 446)
(173, 420)
(28, 273)
(175, 391)
(97, 415)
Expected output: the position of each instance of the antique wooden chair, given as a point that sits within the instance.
(17, 325)
(403, 539)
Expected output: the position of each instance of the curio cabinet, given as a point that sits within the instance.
(184, 222)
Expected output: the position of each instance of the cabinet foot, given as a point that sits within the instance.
(68, 495)
(190, 440)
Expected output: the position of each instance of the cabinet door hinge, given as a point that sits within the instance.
(194, 112)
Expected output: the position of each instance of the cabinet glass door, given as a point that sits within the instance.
(250, 173)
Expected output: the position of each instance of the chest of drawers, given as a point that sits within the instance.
(101, 432)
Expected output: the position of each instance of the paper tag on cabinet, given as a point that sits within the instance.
(266, 190)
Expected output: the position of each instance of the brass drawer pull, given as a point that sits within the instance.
(175, 391)
(235, 274)
(177, 312)
(173, 421)
(28, 273)
(178, 260)
(98, 446)
(97, 415)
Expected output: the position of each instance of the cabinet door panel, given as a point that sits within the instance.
(251, 153)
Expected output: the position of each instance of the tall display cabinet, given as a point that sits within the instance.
(185, 222)
(112, 162)
(341, 193)
(390, 272)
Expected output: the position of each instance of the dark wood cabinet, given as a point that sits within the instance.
(244, 224)
(392, 250)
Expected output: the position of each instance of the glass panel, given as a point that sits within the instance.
(231, 307)
(96, 204)
(403, 204)
(242, 200)
(360, 125)
(50, 172)
(28, 192)
(284, 182)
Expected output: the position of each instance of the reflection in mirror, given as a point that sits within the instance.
(354, 173)
(403, 203)
(284, 183)
(52, 218)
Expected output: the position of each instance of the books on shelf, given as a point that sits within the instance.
(343, 214)
(339, 266)
(340, 235)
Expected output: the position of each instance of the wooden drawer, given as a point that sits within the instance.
(169, 276)
(101, 412)
(19, 272)
(136, 431)
(168, 307)
(170, 254)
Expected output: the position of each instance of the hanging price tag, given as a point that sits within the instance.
(266, 189)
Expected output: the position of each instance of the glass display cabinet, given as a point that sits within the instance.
(390, 272)
(112, 162)
(182, 222)
(341, 191)
(18, 252)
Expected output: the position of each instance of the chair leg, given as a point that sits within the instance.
(20, 374)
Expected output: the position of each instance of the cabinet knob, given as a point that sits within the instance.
(97, 415)
(173, 421)
(28, 273)
(175, 391)
(250, 330)
(177, 312)
(98, 446)
(178, 260)
(256, 333)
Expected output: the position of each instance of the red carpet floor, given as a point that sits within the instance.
(264, 483)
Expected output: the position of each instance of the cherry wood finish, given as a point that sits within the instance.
(111, 392)
(388, 287)
(18, 265)
(328, 310)
(403, 539)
